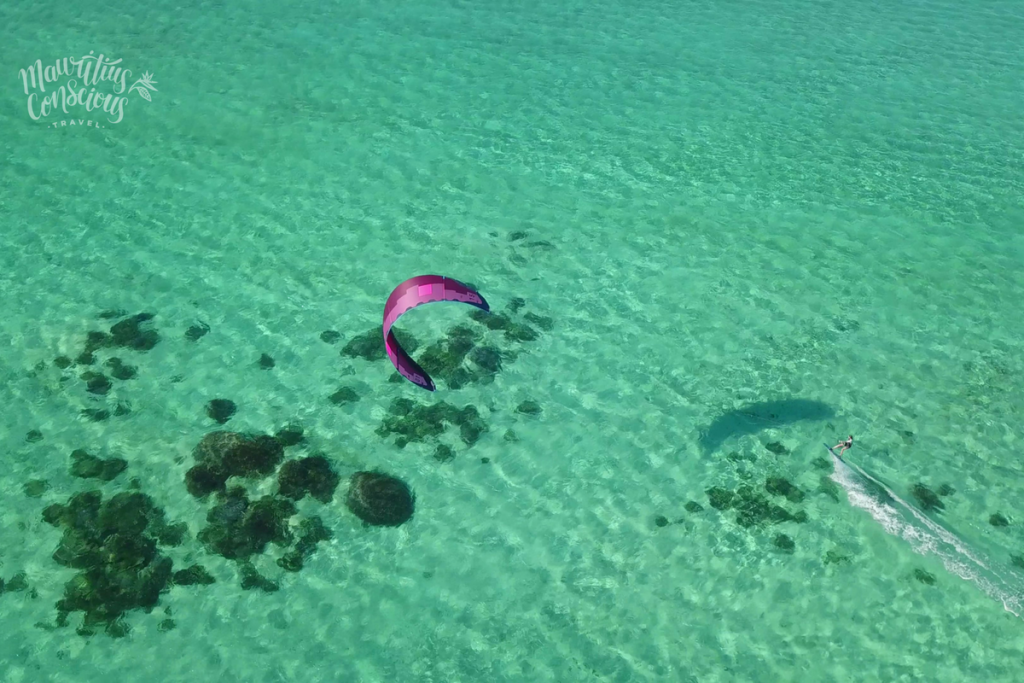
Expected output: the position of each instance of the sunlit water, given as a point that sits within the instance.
(756, 227)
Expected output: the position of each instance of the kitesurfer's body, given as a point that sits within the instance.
(847, 445)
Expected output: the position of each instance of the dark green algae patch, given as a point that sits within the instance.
(751, 507)
(239, 528)
(115, 545)
(472, 352)
(409, 422)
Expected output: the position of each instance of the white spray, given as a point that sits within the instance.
(926, 537)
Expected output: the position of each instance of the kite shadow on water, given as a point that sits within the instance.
(755, 417)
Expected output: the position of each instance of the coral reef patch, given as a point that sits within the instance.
(380, 499)
(114, 545)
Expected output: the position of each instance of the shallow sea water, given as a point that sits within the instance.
(762, 224)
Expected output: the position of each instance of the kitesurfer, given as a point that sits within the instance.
(847, 445)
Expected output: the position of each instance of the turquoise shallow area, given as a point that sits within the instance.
(814, 204)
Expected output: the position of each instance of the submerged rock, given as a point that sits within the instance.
(380, 499)
(926, 498)
(998, 520)
(924, 577)
(312, 475)
(253, 579)
(220, 410)
(192, 576)
(528, 407)
(784, 543)
(85, 466)
(343, 395)
(35, 488)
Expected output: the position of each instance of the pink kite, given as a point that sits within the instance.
(421, 289)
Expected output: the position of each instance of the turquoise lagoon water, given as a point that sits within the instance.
(752, 224)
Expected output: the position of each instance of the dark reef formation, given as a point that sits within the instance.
(114, 544)
(239, 528)
(528, 407)
(410, 422)
(290, 435)
(444, 453)
(192, 576)
(312, 475)
(778, 486)
(15, 584)
(196, 332)
(927, 499)
(445, 359)
(752, 508)
(784, 543)
(220, 410)
(220, 455)
(311, 532)
(467, 354)
(514, 330)
(35, 488)
(924, 577)
(95, 382)
(380, 499)
(370, 344)
(998, 520)
(343, 395)
(836, 557)
(132, 333)
(119, 370)
(85, 466)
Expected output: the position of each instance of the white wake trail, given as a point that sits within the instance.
(926, 537)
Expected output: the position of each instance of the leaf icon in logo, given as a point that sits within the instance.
(147, 81)
(144, 85)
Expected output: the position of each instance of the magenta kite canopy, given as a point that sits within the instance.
(421, 289)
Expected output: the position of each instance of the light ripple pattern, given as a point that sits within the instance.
(718, 204)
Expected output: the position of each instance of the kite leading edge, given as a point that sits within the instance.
(422, 289)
